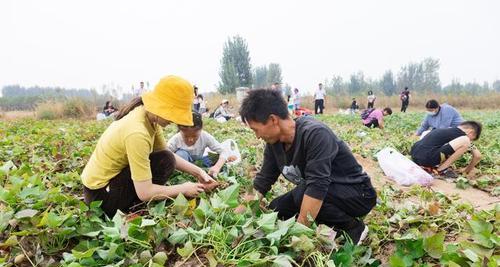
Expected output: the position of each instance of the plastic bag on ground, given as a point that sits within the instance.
(401, 169)
(231, 152)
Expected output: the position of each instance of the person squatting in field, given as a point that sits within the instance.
(131, 162)
(438, 116)
(331, 186)
(190, 144)
(375, 117)
(441, 147)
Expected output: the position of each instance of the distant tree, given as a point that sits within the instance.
(260, 77)
(338, 86)
(421, 76)
(235, 65)
(387, 83)
(274, 73)
(357, 82)
(496, 85)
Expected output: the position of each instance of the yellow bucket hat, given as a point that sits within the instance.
(171, 100)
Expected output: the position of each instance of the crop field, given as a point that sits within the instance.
(44, 222)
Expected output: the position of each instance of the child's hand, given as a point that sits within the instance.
(213, 171)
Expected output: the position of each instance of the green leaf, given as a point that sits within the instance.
(26, 213)
(267, 221)
(147, 222)
(85, 254)
(229, 196)
(300, 229)
(471, 255)
(178, 237)
(159, 209)
(180, 205)
(4, 219)
(396, 261)
(186, 251)
(160, 258)
(282, 261)
(434, 245)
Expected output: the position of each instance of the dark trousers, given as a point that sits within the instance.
(370, 104)
(121, 194)
(341, 206)
(319, 104)
(404, 105)
(373, 123)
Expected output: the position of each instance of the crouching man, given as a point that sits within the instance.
(331, 187)
(441, 147)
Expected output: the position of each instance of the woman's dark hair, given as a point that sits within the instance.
(388, 110)
(197, 122)
(129, 107)
(259, 104)
(370, 92)
(432, 104)
(107, 104)
(474, 125)
(200, 96)
(195, 90)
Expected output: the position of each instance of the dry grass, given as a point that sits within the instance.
(417, 102)
(16, 114)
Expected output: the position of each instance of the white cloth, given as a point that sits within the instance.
(371, 98)
(319, 94)
(205, 140)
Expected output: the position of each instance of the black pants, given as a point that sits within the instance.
(342, 204)
(121, 194)
(404, 105)
(319, 104)
(373, 123)
(370, 105)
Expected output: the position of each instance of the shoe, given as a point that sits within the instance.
(358, 233)
(448, 174)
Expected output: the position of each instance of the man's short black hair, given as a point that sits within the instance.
(474, 125)
(406, 88)
(197, 122)
(432, 104)
(259, 104)
(388, 110)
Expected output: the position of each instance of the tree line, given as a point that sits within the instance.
(236, 71)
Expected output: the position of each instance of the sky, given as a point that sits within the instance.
(85, 44)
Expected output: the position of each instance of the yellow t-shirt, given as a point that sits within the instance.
(126, 142)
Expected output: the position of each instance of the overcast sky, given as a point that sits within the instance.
(93, 42)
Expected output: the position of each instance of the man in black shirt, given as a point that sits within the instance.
(405, 99)
(331, 187)
(441, 147)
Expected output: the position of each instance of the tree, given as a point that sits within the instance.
(422, 76)
(357, 82)
(337, 84)
(496, 85)
(235, 65)
(274, 73)
(260, 77)
(388, 85)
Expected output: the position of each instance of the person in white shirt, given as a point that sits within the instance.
(296, 98)
(319, 99)
(371, 99)
(221, 111)
(190, 144)
(140, 90)
(203, 104)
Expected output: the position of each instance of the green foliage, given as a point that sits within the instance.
(41, 209)
(235, 68)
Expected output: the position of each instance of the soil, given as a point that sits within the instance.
(480, 200)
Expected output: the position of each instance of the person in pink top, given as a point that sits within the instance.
(375, 117)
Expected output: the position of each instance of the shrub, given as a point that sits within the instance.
(49, 110)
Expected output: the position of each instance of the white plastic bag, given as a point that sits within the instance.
(231, 150)
(401, 169)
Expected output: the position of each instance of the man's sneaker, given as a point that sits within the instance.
(358, 233)
(448, 174)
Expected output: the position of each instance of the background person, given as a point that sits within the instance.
(439, 116)
(319, 99)
(375, 117)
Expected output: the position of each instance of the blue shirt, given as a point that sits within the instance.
(447, 117)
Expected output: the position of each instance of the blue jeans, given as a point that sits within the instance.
(192, 158)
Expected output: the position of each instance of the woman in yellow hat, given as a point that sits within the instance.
(131, 162)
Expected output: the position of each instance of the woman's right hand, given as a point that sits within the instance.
(190, 189)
